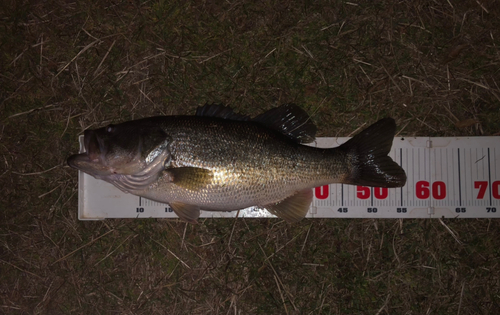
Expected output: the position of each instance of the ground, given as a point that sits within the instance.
(66, 66)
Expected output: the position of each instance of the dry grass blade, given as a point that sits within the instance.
(176, 257)
(466, 123)
(232, 230)
(78, 55)
(305, 239)
(96, 72)
(453, 234)
(37, 173)
(214, 56)
(277, 278)
(281, 294)
(461, 298)
(83, 246)
(20, 269)
(482, 6)
(117, 247)
(51, 106)
(50, 191)
(385, 305)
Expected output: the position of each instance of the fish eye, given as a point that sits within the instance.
(110, 128)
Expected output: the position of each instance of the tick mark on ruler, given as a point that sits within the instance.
(459, 180)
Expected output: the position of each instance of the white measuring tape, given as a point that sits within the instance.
(447, 177)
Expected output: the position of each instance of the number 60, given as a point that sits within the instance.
(422, 190)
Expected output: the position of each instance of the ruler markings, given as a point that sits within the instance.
(342, 193)
(428, 170)
(468, 180)
(412, 175)
(419, 172)
(401, 164)
(405, 189)
(489, 177)
(433, 174)
(474, 168)
(459, 180)
(450, 176)
(495, 171)
(474, 161)
(480, 159)
(440, 174)
(427, 175)
(463, 176)
(471, 168)
(437, 174)
(371, 196)
(451, 172)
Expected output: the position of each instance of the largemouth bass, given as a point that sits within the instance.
(218, 160)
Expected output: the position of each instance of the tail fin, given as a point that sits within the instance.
(368, 152)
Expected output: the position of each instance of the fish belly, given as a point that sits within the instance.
(226, 194)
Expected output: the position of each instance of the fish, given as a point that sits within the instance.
(219, 160)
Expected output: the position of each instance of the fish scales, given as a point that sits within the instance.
(251, 165)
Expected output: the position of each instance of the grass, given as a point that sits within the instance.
(69, 66)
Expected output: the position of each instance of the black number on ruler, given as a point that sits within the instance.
(342, 210)
(491, 209)
(401, 210)
(139, 210)
(372, 210)
(460, 210)
(167, 209)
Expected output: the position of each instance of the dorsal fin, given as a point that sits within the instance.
(290, 120)
(220, 111)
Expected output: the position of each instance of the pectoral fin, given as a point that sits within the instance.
(293, 208)
(191, 178)
(188, 213)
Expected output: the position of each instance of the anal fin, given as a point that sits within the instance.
(188, 213)
(293, 208)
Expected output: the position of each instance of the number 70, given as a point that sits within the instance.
(483, 185)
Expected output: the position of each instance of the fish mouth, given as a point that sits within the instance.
(94, 146)
(91, 161)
